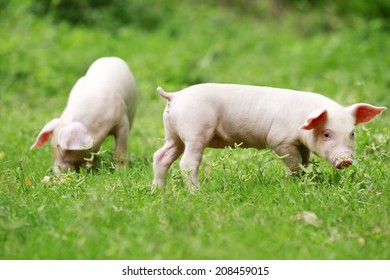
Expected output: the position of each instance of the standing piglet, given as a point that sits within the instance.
(292, 123)
(101, 103)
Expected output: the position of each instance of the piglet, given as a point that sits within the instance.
(101, 103)
(292, 123)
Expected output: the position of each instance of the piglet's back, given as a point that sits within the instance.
(113, 75)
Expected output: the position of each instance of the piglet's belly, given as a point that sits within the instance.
(220, 141)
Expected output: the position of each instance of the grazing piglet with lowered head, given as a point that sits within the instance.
(292, 123)
(101, 103)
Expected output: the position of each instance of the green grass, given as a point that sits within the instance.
(247, 208)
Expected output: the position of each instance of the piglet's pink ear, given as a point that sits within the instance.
(365, 112)
(315, 118)
(75, 137)
(45, 134)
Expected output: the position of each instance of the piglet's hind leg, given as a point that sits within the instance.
(190, 162)
(163, 159)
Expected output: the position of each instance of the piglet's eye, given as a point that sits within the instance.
(352, 134)
(327, 135)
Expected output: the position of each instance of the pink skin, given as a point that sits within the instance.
(291, 123)
(100, 104)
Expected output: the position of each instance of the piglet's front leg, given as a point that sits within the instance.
(121, 136)
(293, 156)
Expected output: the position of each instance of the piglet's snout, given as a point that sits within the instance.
(343, 160)
(344, 163)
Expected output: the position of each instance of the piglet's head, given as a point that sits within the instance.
(332, 131)
(71, 143)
